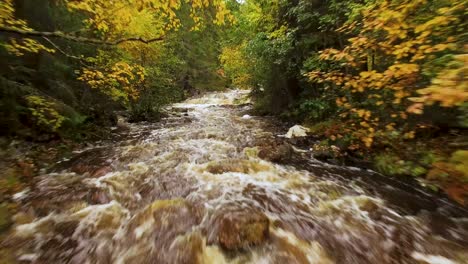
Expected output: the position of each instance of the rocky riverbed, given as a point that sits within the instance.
(210, 184)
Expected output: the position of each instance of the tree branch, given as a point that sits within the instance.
(58, 34)
(60, 50)
(79, 59)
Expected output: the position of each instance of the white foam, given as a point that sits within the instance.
(431, 259)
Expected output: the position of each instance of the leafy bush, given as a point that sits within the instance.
(454, 167)
(45, 113)
(391, 164)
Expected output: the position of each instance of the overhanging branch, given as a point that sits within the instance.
(60, 50)
(58, 34)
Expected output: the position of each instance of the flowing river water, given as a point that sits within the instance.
(196, 188)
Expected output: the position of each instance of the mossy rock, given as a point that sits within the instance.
(240, 166)
(239, 229)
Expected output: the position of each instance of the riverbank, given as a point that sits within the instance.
(434, 159)
(22, 160)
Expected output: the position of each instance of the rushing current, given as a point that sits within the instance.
(210, 184)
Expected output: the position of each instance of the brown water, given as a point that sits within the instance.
(192, 189)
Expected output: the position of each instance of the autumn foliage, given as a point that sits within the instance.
(406, 57)
(130, 38)
(381, 72)
(382, 80)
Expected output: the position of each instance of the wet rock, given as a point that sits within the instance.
(93, 161)
(122, 124)
(186, 120)
(223, 167)
(132, 153)
(170, 185)
(179, 110)
(22, 218)
(27, 168)
(301, 142)
(239, 229)
(235, 165)
(323, 155)
(276, 153)
(101, 171)
(297, 131)
(97, 196)
(326, 153)
(368, 205)
(66, 228)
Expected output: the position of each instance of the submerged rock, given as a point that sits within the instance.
(239, 229)
(22, 218)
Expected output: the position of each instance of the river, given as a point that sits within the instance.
(192, 189)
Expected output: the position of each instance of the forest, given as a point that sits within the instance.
(377, 84)
(385, 81)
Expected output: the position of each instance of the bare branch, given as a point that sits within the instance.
(60, 50)
(58, 34)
